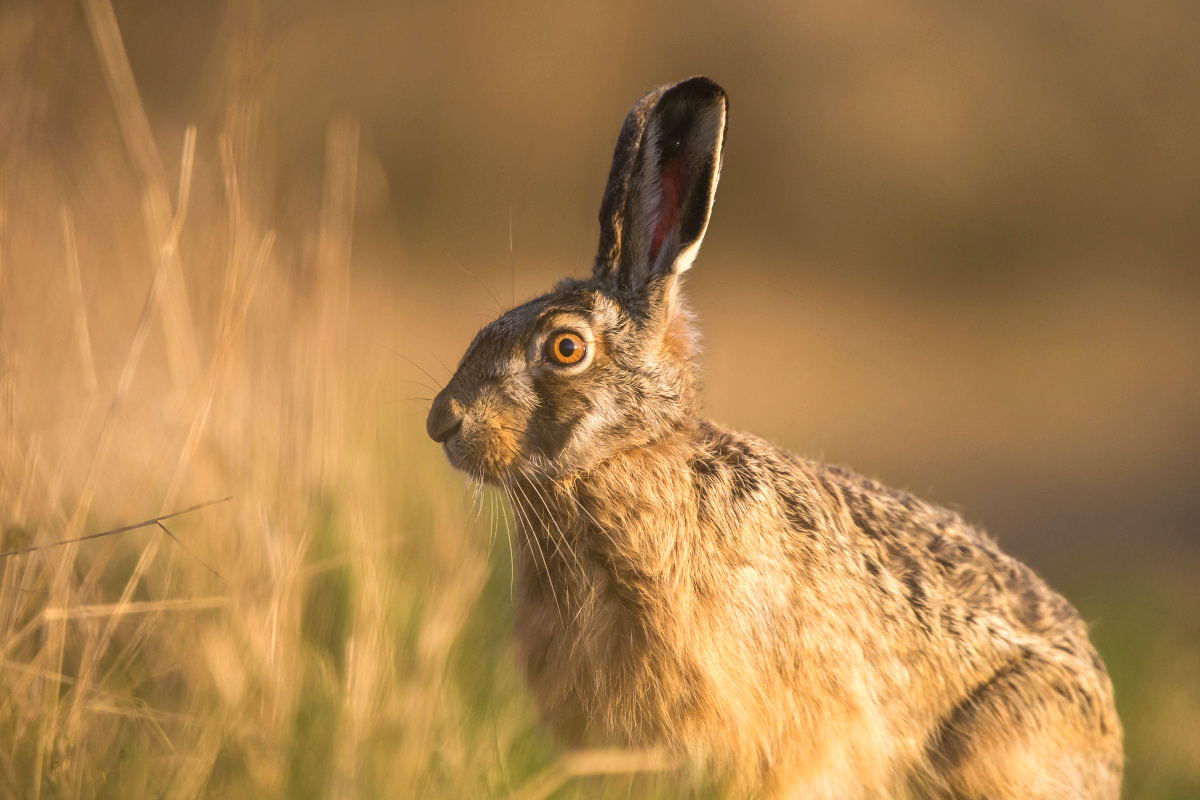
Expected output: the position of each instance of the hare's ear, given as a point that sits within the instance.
(662, 183)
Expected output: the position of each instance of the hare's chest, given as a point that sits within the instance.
(600, 610)
(590, 637)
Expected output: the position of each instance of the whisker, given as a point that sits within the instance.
(561, 533)
(469, 274)
(557, 525)
(437, 358)
(512, 430)
(512, 565)
(533, 540)
(477, 500)
(491, 523)
(512, 255)
(573, 562)
(416, 383)
(418, 366)
(428, 400)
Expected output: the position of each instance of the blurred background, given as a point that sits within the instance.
(243, 242)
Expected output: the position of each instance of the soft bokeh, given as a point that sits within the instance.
(955, 247)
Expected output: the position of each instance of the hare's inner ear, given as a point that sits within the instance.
(663, 180)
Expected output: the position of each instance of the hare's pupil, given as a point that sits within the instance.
(566, 347)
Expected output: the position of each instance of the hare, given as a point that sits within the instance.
(788, 628)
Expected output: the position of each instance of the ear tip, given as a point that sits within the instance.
(700, 88)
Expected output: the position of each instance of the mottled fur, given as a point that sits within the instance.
(789, 627)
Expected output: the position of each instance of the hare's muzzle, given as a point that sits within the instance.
(445, 419)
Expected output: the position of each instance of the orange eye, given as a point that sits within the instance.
(566, 348)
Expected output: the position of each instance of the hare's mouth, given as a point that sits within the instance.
(488, 453)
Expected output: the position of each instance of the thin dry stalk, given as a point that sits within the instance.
(584, 763)
(337, 206)
(239, 292)
(3, 234)
(248, 104)
(84, 343)
(114, 610)
(332, 291)
(56, 634)
(225, 347)
(133, 359)
(191, 777)
(139, 141)
(32, 459)
(113, 531)
(367, 660)
(83, 338)
(7, 379)
(8, 397)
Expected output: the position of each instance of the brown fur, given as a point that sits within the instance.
(790, 627)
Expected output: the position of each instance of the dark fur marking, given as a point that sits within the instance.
(875, 570)
(798, 513)
(733, 453)
(1029, 609)
(830, 488)
(862, 515)
(730, 460)
(946, 565)
(703, 466)
(704, 472)
(1085, 703)
(917, 599)
(949, 744)
(743, 484)
(1064, 611)
(896, 520)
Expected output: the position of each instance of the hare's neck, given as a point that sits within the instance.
(616, 531)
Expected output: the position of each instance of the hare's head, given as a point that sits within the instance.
(600, 365)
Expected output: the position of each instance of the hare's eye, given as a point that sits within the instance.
(566, 347)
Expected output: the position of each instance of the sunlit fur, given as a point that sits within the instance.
(790, 628)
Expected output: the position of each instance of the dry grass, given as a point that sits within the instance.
(319, 634)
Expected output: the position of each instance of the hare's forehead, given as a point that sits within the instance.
(510, 335)
(590, 313)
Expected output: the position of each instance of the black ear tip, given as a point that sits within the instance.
(699, 89)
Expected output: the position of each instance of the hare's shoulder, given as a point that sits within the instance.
(949, 573)
(952, 574)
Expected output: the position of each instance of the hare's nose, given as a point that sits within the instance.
(445, 419)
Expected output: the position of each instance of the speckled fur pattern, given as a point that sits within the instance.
(789, 628)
